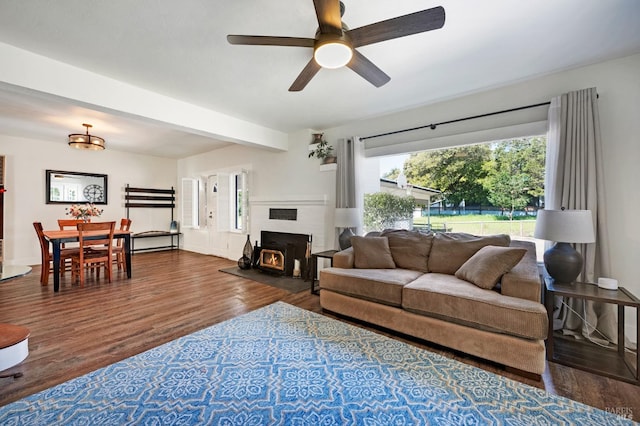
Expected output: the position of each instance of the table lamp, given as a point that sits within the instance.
(562, 261)
(346, 218)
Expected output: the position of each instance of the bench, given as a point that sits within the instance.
(153, 198)
(156, 234)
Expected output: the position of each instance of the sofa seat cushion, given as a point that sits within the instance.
(447, 297)
(378, 285)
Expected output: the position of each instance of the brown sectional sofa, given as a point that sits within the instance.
(453, 289)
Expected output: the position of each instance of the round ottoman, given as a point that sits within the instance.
(14, 345)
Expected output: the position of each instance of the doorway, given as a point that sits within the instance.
(218, 214)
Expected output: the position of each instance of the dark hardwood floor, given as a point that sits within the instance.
(172, 294)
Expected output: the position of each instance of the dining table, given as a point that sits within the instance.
(57, 237)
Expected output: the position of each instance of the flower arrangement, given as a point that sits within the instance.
(83, 212)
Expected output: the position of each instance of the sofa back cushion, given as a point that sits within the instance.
(409, 249)
(450, 251)
(523, 281)
(372, 253)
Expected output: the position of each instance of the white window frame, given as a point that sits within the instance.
(238, 202)
(190, 203)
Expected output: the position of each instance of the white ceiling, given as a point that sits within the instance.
(179, 49)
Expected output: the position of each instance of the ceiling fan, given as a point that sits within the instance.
(335, 44)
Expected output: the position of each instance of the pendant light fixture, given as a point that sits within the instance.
(86, 141)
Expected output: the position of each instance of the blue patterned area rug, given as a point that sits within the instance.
(284, 365)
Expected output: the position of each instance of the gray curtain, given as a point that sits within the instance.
(574, 180)
(345, 176)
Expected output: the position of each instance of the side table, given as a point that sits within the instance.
(327, 254)
(14, 347)
(614, 363)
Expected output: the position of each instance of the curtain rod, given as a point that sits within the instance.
(434, 125)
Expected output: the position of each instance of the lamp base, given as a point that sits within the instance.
(563, 263)
(344, 240)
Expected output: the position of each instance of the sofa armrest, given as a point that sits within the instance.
(344, 259)
(523, 281)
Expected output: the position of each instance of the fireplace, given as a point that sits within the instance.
(278, 252)
(272, 260)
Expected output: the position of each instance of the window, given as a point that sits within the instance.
(481, 189)
(190, 203)
(239, 203)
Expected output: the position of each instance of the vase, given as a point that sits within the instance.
(244, 263)
(329, 159)
(256, 256)
(248, 249)
(317, 138)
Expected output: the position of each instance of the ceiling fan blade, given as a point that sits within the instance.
(414, 23)
(328, 13)
(305, 76)
(367, 70)
(270, 41)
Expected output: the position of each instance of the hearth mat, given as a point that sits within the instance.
(292, 285)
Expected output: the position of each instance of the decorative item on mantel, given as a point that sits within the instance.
(83, 212)
(321, 149)
(247, 255)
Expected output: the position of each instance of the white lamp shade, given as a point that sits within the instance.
(565, 226)
(347, 218)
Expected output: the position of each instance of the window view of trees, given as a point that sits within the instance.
(506, 175)
(515, 174)
(457, 172)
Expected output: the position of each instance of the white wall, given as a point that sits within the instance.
(26, 162)
(618, 85)
(289, 177)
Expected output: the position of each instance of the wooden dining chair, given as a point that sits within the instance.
(118, 248)
(46, 256)
(69, 223)
(89, 258)
(65, 224)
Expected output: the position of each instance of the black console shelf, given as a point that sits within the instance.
(152, 198)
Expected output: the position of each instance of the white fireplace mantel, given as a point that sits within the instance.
(308, 200)
(312, 213)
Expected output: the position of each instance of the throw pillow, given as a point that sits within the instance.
(409, 249)
(489, 264)
(372, 253)
(451, 250)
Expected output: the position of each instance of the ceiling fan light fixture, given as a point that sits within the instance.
(333, 54)
(334, 43)
(86, 141)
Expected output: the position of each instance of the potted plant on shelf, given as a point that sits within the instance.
(324, 152)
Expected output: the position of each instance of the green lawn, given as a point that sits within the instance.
(481, 224)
